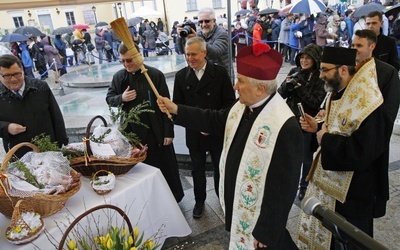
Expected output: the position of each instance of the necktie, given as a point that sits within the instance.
(17, 94)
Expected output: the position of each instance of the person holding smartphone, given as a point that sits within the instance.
(302, 85)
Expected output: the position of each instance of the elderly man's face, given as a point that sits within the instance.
(12, 78)
(248, 93)
(195, 56)
(374, 24)
(206, 23)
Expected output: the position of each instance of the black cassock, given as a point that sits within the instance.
(282, 178)
(159, 126)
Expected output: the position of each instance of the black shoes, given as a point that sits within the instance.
(198, 210)
(302, 193)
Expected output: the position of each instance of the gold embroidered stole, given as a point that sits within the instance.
(253, 168)
(360, 98)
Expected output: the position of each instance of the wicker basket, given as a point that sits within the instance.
(106, 188)
(44, 204)
(80, 217)
(23, 206)
(89, 165)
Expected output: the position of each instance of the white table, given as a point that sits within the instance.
(142, 193)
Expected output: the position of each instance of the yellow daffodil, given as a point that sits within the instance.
(136, 232)
(133, 248)
(109, 243)
(130, 240)
(71, 245)
(150, 244)
(124, 232)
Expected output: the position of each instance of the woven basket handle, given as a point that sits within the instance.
(17, 211)
(12, 151)
(119, 210)
(100, 171)
(89, 126)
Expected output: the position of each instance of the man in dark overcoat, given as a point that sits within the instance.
(208, 86)
(389, 84)
(386, 49)
(28, 108)
(130, 87)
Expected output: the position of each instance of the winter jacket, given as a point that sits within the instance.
(285, 30)
(216, 44)
(311, 93)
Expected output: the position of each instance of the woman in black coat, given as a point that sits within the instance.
(304, 86)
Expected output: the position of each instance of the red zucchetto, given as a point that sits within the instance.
(259, 62)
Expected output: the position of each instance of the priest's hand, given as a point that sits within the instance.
(309, 124)
(258, 245)
(320, 133)
(166, 104)
(14, 128)
(168, 140)
(128, 95)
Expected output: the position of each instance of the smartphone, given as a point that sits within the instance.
(301, 110)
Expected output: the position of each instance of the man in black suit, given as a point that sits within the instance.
(389, 84)
(208, 86)
(386, 49)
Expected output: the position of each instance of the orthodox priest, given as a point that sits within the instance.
(262, 152)
(129, 87)
(348, 174)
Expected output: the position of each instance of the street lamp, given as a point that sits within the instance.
(119, 7)
(94, 13)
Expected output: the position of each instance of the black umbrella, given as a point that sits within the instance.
(100, 24)
(28, 31)
(133, 21)
(62, 30)
(393, 10)
(268, 11)
(14, 37)
(242, 12)
(367, 8)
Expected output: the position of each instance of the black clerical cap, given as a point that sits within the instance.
(339, 56)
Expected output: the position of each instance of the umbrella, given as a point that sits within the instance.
(367, 8)
(268, 11)
(14, 37)
(221, 20)
(393, 10)
(285, 9)
(134, 21)
(242, 12)
(145, 12)
(80, 26)
(4, 50)
(100, 24)
(62, 30)
(308, 7)
(28, 31)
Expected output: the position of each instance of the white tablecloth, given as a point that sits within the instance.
(142, 193)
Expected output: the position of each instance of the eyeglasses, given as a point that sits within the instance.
(129, 60)
(9, 76)
(204, 21)
(327, 70)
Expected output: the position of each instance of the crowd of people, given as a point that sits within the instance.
(324, 132)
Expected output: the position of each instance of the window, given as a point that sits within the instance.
(191, 5)
(18, 22)
(70, 18)
(217, 4)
